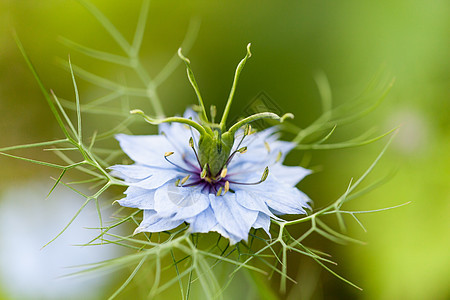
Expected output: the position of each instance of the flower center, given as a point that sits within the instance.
(213, 174)
(214, 151)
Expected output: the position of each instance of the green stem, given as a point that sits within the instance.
(42, 88)
(191, 77)
(233, 88)
(152, 121)
(258, 116)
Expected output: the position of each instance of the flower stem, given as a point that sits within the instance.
(189, 122)
(191, 77)
(264, 115)
(233, 88)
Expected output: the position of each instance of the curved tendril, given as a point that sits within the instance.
(191, 78)
(264, 115)
(181, 120)
(233, 87)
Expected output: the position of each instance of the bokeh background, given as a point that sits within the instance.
(407, 251)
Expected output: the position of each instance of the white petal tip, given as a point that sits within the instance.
(138, 230)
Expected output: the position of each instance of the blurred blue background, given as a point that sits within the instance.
(407, 255)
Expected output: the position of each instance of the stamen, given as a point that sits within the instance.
(188, 162)
(242, 139)
(203, 173)
(191, 144)
(223, 173)
(192, 135)
(243, 150)
(219, 191)
(167, 154)
(227, 187)
(263, 178)
(248, 129)
(278, 156)
(266, 144)
(265, 174)
(193, 183)
(183, 181)
(177, 182)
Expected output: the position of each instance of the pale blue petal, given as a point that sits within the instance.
(246, 172)
(203, 222)
(180, 203)
(288, 175)
(251, 172)
(189, 113)
(153, 223)
(251, 164)
(138, 198)
(263, 221)
(257, 146)
(206, 221)
(160, 177)
(279, 197)
(233, 238)
(234, 218)
(253, 203)
(145, 149)
(135, 171)
(149, 150)
(179, 134)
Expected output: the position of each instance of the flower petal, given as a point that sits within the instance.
(138, 198)
(145, 149)
(263, 148)
(203, 222)
(233, 217)
(263, 221)
(135, 171)
(158, 178)
(180, 203)
(252, 203)
(154, 223)
(279, 197)
(233, 238)
(289, 175)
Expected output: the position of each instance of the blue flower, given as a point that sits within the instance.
(226, 183)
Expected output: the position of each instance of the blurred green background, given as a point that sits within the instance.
(407, 255)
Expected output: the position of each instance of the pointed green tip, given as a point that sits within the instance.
(136, 111)
(286, 116)
(180, 55)
(249, 53)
